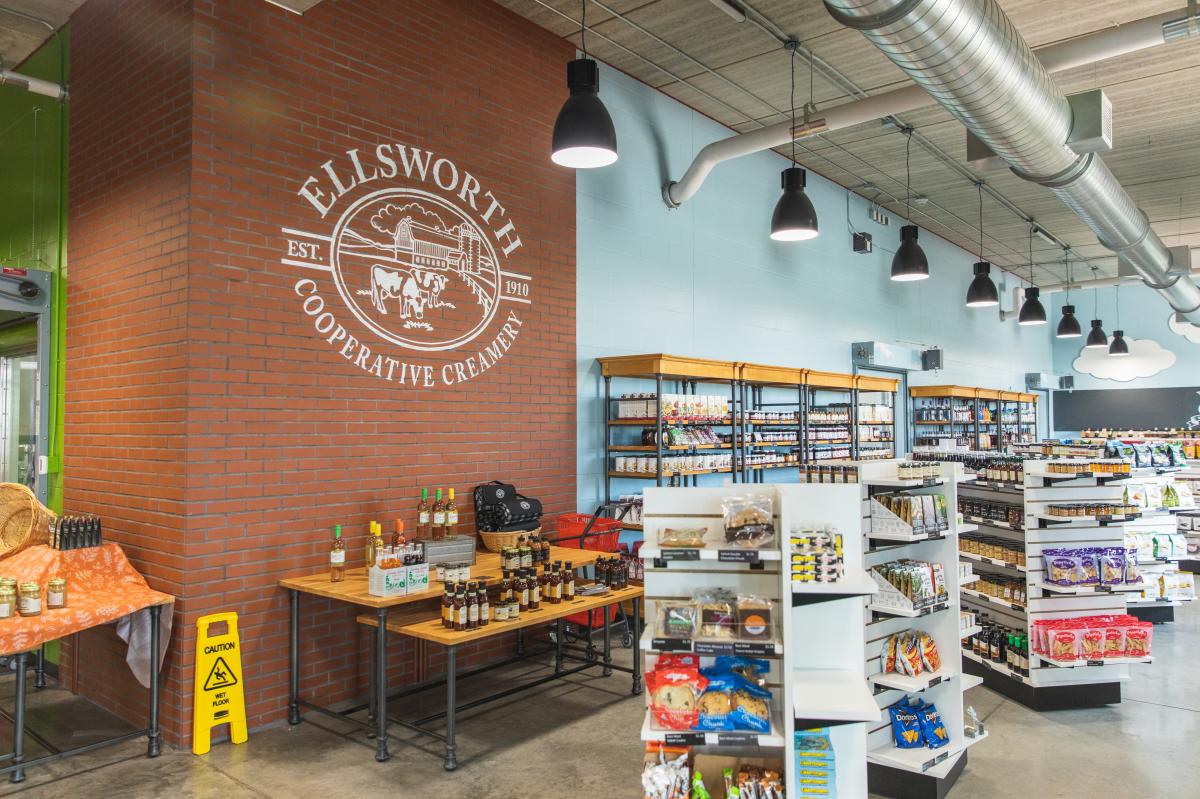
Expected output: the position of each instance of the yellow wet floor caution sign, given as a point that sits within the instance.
(218, 695)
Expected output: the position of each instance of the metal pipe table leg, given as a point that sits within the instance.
(607, 671)
(381, 750)
(520, 642)
(637, 652)
(558, 646)
(451, 700)
(18, 758)
(39, 669)
(294, 659)
(154, 738)
(371, 714)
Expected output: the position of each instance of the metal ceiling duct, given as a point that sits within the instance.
(970, 58)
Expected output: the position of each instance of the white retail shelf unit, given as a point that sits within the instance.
(816, 674)
(1165, 583)
(887, 538)
(1047, 686)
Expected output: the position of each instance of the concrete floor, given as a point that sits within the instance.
(578, 738)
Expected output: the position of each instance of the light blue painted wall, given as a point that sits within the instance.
(1144, 314)
(705, 280)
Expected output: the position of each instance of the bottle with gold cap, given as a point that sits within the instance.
(372, 552)
(451, 528)
(439, 515)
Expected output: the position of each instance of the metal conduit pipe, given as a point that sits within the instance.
(1108, 43)
(35, 85)
(968, 55)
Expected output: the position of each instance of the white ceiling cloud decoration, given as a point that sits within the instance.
(1186, 329)
(1146, 358)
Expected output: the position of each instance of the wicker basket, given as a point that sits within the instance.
(24, 521)
(498, 541)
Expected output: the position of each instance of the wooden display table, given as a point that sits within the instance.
(353, 590)
(431, 629)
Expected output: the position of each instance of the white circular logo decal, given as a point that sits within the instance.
(422, 260)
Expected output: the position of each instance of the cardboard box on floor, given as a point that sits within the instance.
(712, 769)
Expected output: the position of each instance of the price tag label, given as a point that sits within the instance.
(680, 554)
(928, 764)
(1095, 663)
(684, 739)
(754, 649)
(671, 644)
(936, 681)
(737, 555)
(737, 738)
(712, 648)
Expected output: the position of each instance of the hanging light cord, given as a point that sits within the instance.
(1031, 229)
(583, 26)
(1118, 305)
(908, 175)
(1067, 258)
(979, 185)
(792, 47)
(1095, 297)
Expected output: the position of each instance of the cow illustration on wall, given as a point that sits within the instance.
(428, 269)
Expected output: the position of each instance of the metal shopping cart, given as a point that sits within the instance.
(599, 534)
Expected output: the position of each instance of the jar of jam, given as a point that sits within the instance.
(56, 593)
(8, 602)
(29, 599)
(9, 582)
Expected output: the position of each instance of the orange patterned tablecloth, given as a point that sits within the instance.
(102, 586)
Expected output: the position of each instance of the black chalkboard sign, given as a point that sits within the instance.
(1131, 408)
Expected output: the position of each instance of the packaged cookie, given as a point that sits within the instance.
(755, 618)
(714, 707)
(749, 521)
(718, 615)
(674, 696)
(687, 537)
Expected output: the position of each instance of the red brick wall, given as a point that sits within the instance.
(126, 388)
(275, 435)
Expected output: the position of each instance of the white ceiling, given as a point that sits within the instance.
(737, 73)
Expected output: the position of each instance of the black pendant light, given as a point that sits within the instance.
(982, 291)
(584, 136)
(909, 262)
(1096, 338)
(1068, 326)
(1032, 312)
(794, 218)
(1118, 346)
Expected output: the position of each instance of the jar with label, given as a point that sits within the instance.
(8, 602)
(29, 599)
(56, 593)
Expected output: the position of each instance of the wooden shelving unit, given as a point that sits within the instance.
(752, 389)
(994, 418)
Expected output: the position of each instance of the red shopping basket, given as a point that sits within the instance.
(602, 537)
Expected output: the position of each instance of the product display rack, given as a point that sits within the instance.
(817, 677)
(987, 419)
(1049, 685)
(752, 389)
(918, 772)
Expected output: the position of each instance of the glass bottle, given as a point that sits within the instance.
(460, 608)
(535, 590)
(472, 606)
(545, 550)
(398, 538)
(522, 591)
(439, 516)
(448, 606)
(337, 556)
(424, 517)
(505, 586)
(526, 554)
(372, 551)
(555, 582)
(484, 608)
(451, 511)
(569, 576)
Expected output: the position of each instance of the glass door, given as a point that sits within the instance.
(18, 419)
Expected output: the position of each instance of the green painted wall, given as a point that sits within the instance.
(33, 203)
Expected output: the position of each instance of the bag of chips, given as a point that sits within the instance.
(933, 731)
(906, 725)
(1160, 454)
(1143, 458)
(1112, 566)
(1178, 458)
(1089, 566)
(929, 653)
